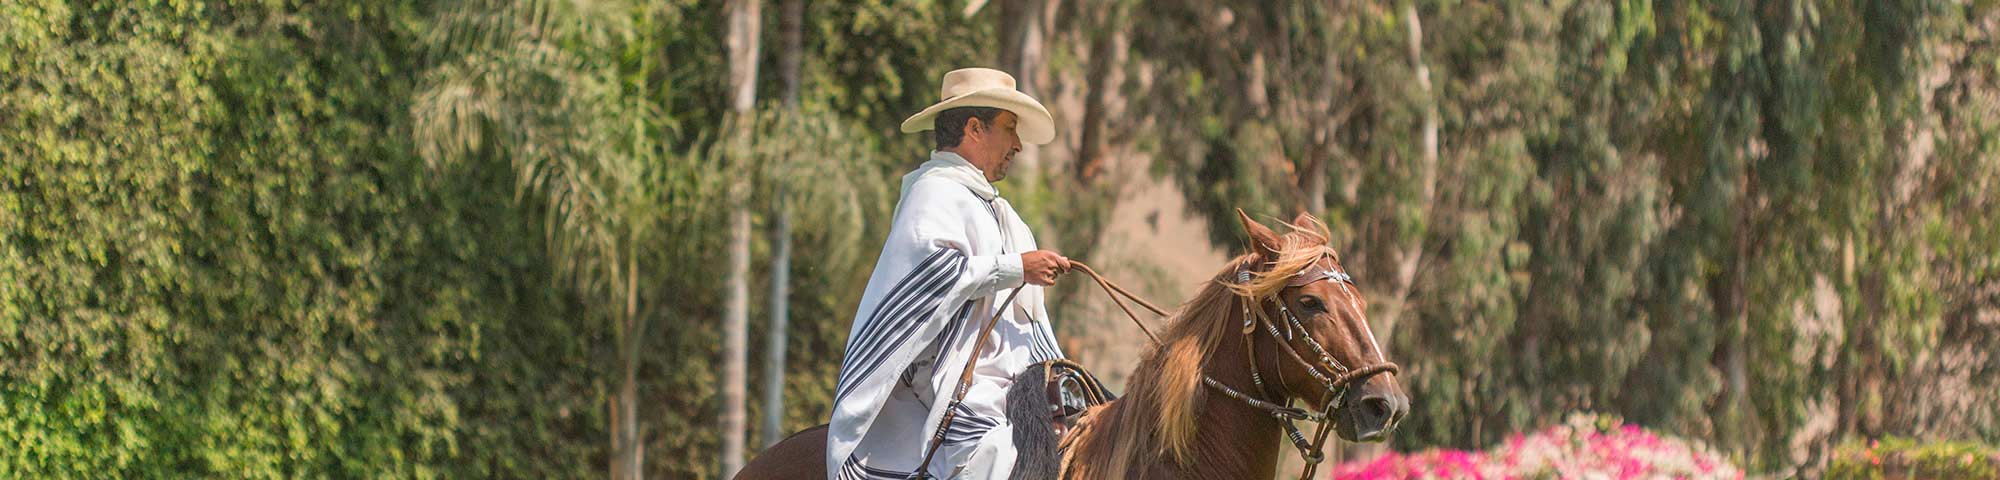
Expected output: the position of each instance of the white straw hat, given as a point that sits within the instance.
(986, 87)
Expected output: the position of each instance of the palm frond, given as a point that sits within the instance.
(531, 84)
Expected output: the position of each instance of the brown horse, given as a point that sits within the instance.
(1282, 322)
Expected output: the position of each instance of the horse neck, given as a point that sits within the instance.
(1233, 439)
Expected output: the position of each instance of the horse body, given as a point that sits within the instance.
(800, 456)
(1234, 441)
(1168, 425)
(1231, 441)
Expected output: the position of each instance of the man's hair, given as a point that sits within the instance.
(951, 123)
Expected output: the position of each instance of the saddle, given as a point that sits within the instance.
(1070, 390)
(1045, 401)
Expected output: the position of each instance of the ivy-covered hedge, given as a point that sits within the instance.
(220, 256)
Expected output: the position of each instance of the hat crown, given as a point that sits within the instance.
(968, 80)
(989, 88)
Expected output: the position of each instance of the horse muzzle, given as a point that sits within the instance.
(1372, 410)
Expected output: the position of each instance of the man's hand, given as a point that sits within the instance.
(1042, 266)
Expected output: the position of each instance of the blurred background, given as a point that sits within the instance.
(580, 238)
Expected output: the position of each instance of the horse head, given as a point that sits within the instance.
(1309, 326)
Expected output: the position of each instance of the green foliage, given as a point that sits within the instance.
(1897, 457)
(377, 239)
(1712, 217)
(219, 256)
(363, 238)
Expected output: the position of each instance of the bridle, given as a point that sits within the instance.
(1332, 375)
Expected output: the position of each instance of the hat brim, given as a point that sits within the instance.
(1035, 125)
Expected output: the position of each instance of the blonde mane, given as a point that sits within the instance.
(1166, 388)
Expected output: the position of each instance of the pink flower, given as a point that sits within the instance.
(1582, 445)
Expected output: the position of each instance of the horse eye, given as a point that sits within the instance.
(1312, 303)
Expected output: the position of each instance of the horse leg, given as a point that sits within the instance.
(800, 456)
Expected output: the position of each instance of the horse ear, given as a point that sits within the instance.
(1263, 241)
(1303, 220)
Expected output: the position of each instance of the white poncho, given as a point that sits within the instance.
(952, 254)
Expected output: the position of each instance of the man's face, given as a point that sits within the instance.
(992, 147)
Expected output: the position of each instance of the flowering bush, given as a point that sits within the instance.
(1583, 446)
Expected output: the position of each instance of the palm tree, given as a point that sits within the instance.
(791, 26)
(741, 39)
(531, 84)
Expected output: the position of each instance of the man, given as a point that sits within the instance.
(954, 252)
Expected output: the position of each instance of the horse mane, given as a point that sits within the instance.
(1166, 388)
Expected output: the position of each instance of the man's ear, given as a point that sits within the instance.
(973, 125)
(1263, 241)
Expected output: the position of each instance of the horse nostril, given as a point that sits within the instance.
(1375, 414)
(1377, 408)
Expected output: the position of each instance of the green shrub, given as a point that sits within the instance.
(1891, 458)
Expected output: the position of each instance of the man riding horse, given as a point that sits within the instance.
(954, 249)
(920, 396)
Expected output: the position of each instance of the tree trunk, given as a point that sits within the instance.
(631, 454)
(617, 436)
(742, 45)
(1021, 55)
(791, 25)
(735, 343)
(1410, 256)
(774, 346)
(1731, 414)
(1090, 161)
(1021, 41)
(1312, 182)
(791, 31)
